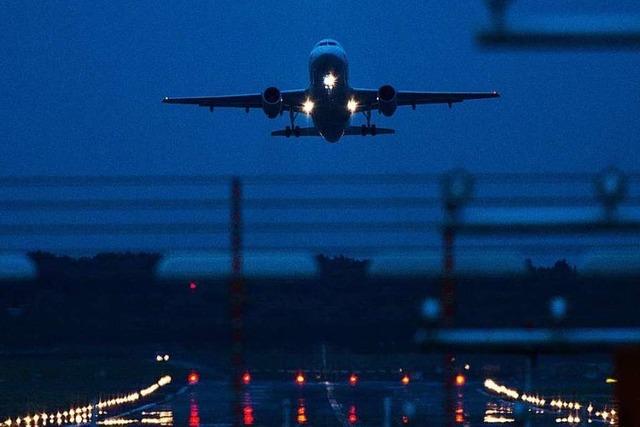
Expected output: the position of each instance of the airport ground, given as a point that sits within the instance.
(73, 377)
(77, 337)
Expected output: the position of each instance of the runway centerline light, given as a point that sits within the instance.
(307, 106)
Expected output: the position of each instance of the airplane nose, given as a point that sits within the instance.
(327, 59)
(329, 56)
(336, 57)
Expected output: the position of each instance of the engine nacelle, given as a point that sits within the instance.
(387, 100)
(272, 102)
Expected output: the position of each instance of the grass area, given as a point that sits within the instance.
(51, 382)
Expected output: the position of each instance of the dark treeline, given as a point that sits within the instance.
(114, 298)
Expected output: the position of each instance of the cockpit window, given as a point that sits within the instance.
(327, 43)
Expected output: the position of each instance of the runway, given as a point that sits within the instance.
(196, 392)
(324, 403)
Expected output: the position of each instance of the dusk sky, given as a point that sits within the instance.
(82, 84)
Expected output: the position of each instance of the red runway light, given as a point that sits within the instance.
(301, 417)
(247, 416)
(405, 379)
(246, 378)
(193, 286)
(353, 379)
(460, 380)
(300, 379)
(353, 415)
(405, 419)
(194, 414)
(193, 378)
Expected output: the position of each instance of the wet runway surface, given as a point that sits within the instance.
(372, 403)
(484, 390)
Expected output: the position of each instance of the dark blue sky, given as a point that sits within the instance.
(82, 83)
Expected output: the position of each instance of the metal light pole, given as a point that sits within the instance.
(237, 297)
(457, 188)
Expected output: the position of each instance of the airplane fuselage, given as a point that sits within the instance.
(329, 89)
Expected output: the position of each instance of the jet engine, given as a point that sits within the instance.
(272, 102)
(387, 100)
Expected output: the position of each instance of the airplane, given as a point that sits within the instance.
(329, 100)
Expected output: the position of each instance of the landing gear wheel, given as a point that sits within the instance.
(363, 130)
(287, 131)
(373, 130)
(296, 131)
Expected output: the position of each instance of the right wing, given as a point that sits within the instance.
(368, 98)
(291, 99)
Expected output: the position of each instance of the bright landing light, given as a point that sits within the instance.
(329, 81)
(352, 105)
(307, 107)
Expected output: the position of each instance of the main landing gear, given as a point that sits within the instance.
(293, 129)
(368, 129)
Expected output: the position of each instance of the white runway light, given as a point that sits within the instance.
(329, 81)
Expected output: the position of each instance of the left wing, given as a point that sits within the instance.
(368, 98)
(291, 99)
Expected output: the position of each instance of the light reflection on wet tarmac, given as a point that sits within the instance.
(372, 403)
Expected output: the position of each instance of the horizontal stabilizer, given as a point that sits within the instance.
(298, 132)
(350, 131)
(359, 130)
